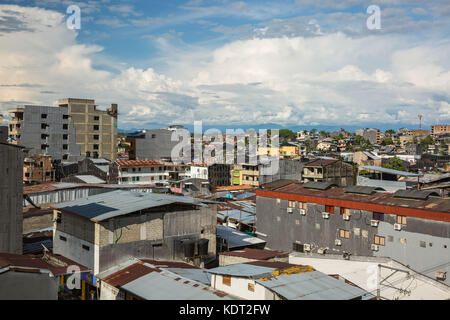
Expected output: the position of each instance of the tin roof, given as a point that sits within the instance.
(89, 179)
(391, 171)
(313, 285)
(117, 203)
(258, 254)
(320, 162)
(138, 163)
(235, 238)
(128, 274)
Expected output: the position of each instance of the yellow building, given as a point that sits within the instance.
(289, 151)
(274, 152)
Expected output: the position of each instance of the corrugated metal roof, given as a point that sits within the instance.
(89, 179)
(237, 238)
(258, 254)
(116, 203)
(363, 189)
(238, 215)
(244, 270)
(104, 168)
(415, 194)
(313, 285)
(195, 274)
(99, 160)
(391, 171)
(319, 185)
(138, 163)
(320, 162)
(166, 286)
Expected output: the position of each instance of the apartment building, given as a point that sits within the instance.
(287, 169)
(412, 227)
(11, 189)
(44, 130)
(155, 144)
(105, 230)
(439, 129)
(371, 134)
(245, 174)
(95, 130)
(329, 170)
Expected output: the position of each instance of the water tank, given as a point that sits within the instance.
(189, 248)
(202, 247)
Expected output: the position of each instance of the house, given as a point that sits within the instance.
(329, 170)
(190, 187)
(107, 229)
(265, 280)
(410, 226)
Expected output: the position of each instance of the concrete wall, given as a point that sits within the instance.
(11, 168)
(288, 169)
(156, 145)
(35, 222)
(283, 229)
(3, 133)
(239, 287)
(28, 286)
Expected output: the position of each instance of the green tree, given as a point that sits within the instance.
(390, 132)
(395, 163)
(387, 141)
(426, 142)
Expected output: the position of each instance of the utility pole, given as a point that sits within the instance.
(420, 121)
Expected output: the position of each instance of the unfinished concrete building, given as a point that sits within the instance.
(104, 230)
(96, 130)
(11, 160)
(44, 130)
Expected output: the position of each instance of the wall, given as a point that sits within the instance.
(156, 148)
(11, 168)
(28, 286)
(239, 288)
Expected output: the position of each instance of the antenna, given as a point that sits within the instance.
(420, 121)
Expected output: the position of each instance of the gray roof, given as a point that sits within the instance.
(371, 155)
(117, 203)
(104, 168)
(99, 160)
(391, 171)
(313, 285)
(164, 286)
(319, 185)
(89, 179)
(243, 270)
(199, 275)
(237, 238)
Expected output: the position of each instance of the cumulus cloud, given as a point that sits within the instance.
(331, 78)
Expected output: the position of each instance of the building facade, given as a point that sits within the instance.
(329, 170)
(38, 169)
(95, 130)
(440, 129)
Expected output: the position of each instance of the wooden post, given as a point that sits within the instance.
(83, 290)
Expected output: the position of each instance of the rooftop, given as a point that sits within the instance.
(237, 239)
(391, 171)
(320, 162)
(138, 163)
(257, 254)
(117, 203)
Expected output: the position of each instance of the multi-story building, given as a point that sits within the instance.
(107, 229)
(38, 168)
(329, 170)
(149, 172)
(95, 130)
(372, 134)
(287, 169)
(439, 129)
(246, 174)
(44, 130)
(289, 151)
(11, 189)
(412, 227)
(155, 144)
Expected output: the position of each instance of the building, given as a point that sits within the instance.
(287, 169)
(289, 150)
(96, 130)
(11, 185)
(372, 134)
(155, 144)
(329, 170)
(38, 169)
(3, 134)
(265, 280)
(246, 174)
(104, 230)
(193, 187)
(44, 130)
(158, 280)
(412, 227)
(367, 158)
(439, 129)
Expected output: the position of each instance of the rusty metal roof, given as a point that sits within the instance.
(320, 162)
(138, 163)
(130, 273)
(258, 254)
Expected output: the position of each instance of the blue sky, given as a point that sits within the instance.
(292, 63)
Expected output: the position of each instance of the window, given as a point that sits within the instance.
(44, 116)
(44, 126)
(379, 240)
(345, 211)
(27, 174)
(95, 136)
(291, 204)
(44, 136)
(65, 136)
(96, 118)
(302, 205)
(251, 287)
(226, 280)
(401, 220)
(329, 209)
(65, 116)
(43, 146)
(58, 217)
(65, 126)
(96, 127)
(423, 244)
(95, 146)
(65, 157)
(85, 247)
(378, 216)
(344, 234)
(62, 238)
(65, 146)
(153, 136)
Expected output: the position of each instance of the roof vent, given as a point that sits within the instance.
(414, 194)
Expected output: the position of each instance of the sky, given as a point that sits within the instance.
(231, 63)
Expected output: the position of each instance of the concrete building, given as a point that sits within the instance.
(11, 170)
(38, 169)
(108, 229)
(217, 174)
(412, 227)
(3, 133)
(96, 130)
(287, 169)
(155, 144)
(329, 170)
(372, 134)
(265, 280)
(44, 130)
(439, 129)
(245, 174)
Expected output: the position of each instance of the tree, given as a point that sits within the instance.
(287, 134)
(395, 164)
(426, 142)
(390, 132)
(387, 141)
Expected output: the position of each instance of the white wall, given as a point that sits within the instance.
(239, 288)
(72, 249)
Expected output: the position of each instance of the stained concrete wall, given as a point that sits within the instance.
(11, 186)
(28, 286)
(156, 145)
(288, 169)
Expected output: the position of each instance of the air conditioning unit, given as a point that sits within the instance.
(289, 210)
(306, 247)
(374, 223)
(397, 226)
(337, 242)
(325, 215)
(441, 275)
(346, 217)
(374, 247)
(322, 250)
(303, 212)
